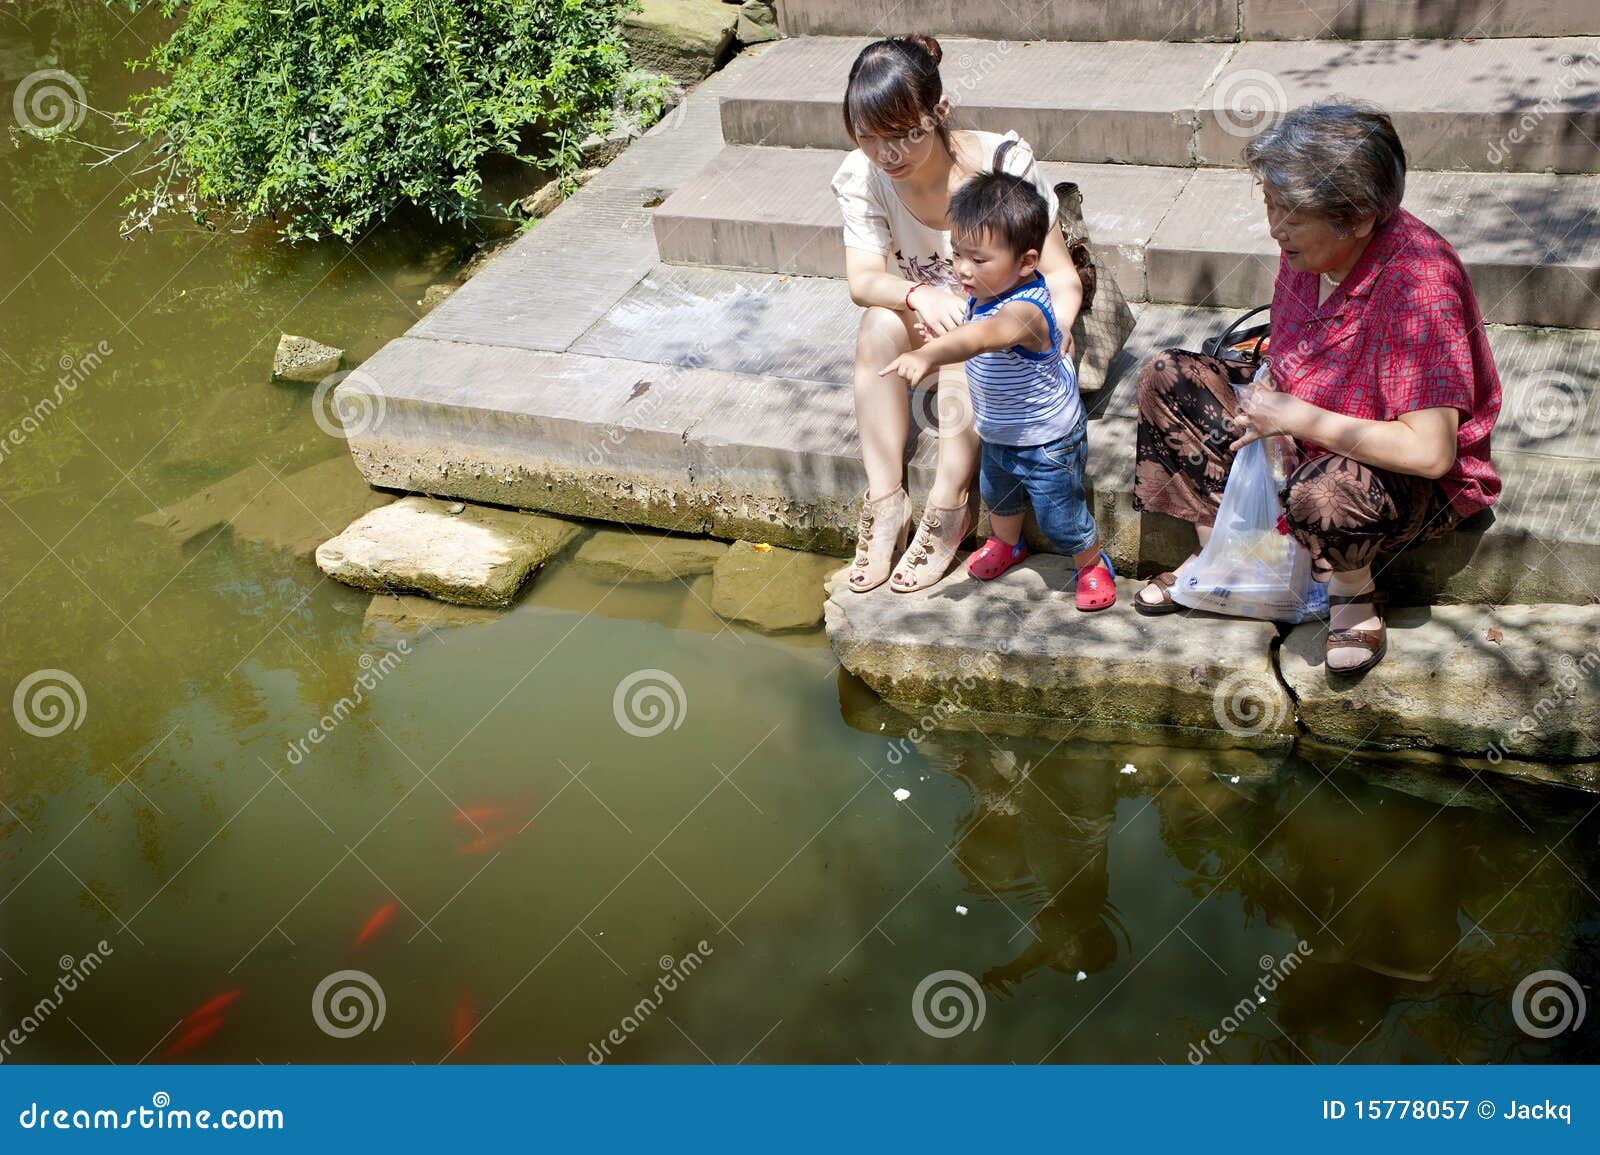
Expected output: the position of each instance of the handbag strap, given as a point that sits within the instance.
(1001, 152)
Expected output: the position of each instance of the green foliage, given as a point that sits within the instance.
(326, 115)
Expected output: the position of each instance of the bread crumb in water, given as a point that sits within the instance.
(901, 794)
(1130, 768)
(1082, 975)
(961, 910)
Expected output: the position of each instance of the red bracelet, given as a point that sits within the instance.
(909, 291)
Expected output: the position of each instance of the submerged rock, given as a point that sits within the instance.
(769, 588)
(1500, 681)
(435, 295)
(1018, 646)
(390, 615)
(288, 511)
(625, 556)
(302, 359)
(479, 557)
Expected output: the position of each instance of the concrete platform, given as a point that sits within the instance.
(1208, 20)
(1017, 646)
(1192, 236)
(1472, 106)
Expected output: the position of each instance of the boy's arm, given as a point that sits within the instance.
(1018, 323)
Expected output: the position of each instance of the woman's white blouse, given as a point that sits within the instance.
(877, 220)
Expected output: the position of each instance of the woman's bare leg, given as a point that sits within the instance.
(883, 405)
(958, 441)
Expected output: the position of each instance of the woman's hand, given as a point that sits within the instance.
(937, 310)
(1268, 413)
(912, 367)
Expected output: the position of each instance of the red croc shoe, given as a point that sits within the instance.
(1097, 586)
(994, 557)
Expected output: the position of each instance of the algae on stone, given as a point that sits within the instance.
(770, 588)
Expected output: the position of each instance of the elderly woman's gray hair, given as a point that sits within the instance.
(1339, 159)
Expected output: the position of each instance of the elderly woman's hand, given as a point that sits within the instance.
(1268, 413)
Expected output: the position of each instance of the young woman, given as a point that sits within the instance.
(893, 192)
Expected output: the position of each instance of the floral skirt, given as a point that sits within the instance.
(1344, 512)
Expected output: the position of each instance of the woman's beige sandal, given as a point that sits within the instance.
(1164, 583)
(1374, 642)
(881, 536)
(933, 547)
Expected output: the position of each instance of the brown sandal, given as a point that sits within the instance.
(1163, 582)
(1375, 642)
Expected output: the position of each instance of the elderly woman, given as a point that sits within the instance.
(1380, 372)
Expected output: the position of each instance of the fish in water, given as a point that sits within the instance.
(487, 842)
(213, 1006)
(462, 1021)
(194, 1036)
(380, 919)
(478, 815)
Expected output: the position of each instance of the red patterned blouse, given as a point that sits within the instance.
(1401, 332)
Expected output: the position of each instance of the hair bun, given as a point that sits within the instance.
(928, 44)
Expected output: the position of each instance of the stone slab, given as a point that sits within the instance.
(477, 557)
(1013, 19)
(1531, 241)
(629, 555)
(1508, 681)
(392, 615)
(1455, 103)
(773, 210)
(303, 360)
(1124, 101)
(1400, 19)
(1017, 646)
(774, 590)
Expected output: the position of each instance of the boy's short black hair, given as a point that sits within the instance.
(1008, 207)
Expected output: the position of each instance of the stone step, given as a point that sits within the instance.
(1517, 104)
(1195, 236)
(731, 414)
(1205, 20)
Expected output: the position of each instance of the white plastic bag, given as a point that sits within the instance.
(1248, 569)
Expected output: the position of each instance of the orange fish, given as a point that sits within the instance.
(461, 1024)
(195, 1036)
(380, 919)
(487, 842)
(214, 1007)
(478, 815)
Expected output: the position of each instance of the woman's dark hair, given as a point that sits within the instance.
(895, 89)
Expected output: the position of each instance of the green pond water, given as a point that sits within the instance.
(210, 826)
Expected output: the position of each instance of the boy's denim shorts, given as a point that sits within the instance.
(1048, 477)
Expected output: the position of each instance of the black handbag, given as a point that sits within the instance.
(1240, 343)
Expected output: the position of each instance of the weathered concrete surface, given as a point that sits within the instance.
(775, 590)
(1454, 103)
(1018, 646)
(1399, 19)
(683, 38)
(294, 512)
(1509, 681)
(773, 210)
(628, 555)
(1008, 20)
(1169, 233)
(479, 557)
(304, 360)
(1123, 101)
